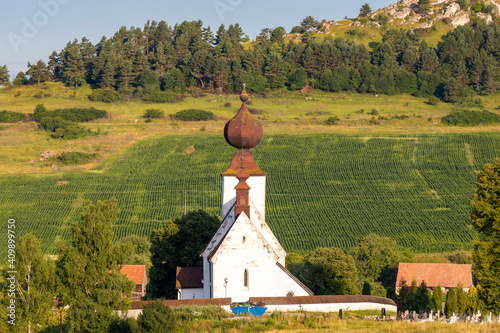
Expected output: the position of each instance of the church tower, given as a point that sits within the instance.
(243, 132)
(244, 258)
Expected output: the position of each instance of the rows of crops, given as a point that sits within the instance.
(322, 190)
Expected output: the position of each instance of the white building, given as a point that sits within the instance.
(243, 259)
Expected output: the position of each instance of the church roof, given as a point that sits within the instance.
(434, 274)
(309, 291)
(262, 229)
(188, 277)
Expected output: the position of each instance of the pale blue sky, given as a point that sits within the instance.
(31, 29)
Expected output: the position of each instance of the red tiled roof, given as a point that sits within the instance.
(444, 275)
(188, 277)
(135, 273)
(182, 302)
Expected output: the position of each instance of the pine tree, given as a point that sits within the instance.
(73, 71)
(39, 72)
(88, 270)
(365, 10)
(34, 284)
(4, 76)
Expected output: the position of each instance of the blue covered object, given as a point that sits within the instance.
(256, 311)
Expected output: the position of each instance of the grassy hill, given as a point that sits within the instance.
(410, 178)
(323, 189)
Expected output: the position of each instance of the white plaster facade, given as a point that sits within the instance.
(189, 293)
(244, 259)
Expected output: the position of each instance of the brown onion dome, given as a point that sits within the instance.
(243, 131)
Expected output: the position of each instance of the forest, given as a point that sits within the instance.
(159, 62)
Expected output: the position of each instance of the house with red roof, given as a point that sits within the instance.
(435, 274)
(138, 275)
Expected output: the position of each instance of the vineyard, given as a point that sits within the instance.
(322, 190)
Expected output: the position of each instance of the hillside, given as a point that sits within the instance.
(441, 17)
(323, 189)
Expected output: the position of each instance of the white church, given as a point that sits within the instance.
(244, 258)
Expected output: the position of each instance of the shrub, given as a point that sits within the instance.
(157, 317)
(373, 112)
(153, 113)
(10, 116)
(38, 95)
(105, 95)
(74, 158)
(332, 120)
(433, 100)
(193, 115)
(471, 118)
(73, 114)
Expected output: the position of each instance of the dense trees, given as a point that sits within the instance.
(179, 243)
(326, 271)
(188, 55)
(88, 271)
(486, 250)
(34, 284)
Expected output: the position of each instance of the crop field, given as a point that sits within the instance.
(322, 190)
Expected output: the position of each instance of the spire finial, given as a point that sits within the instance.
(244, 95)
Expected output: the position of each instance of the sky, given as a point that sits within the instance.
(31, 29)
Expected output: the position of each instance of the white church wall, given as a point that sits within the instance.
(257, 193)
(331, 307)
(190, 293)
(245, 249)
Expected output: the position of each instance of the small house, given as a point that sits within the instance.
(138, 275)
(435, 274)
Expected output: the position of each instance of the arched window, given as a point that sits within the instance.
(290, 294)
(245, 279)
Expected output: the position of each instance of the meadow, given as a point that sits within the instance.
(411, 178)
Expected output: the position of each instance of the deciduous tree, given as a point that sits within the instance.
(486, 250)
(88, 270)
(34, 284)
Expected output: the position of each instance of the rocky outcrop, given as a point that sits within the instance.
(451, 10)
(461, 18)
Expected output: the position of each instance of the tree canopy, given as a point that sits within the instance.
(486, 250)
(179, 243)
(88, 270)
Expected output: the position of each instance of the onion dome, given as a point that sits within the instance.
(243, 131)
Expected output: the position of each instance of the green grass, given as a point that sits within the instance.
(323, 189)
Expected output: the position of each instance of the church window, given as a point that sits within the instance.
(244, 239)
(290, 294)
(245, 279)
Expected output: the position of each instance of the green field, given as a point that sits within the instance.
(323, 189)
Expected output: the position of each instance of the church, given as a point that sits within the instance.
(244, 258)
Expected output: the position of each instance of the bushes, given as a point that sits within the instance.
(74, 158)
(471, 118)
(193, 115)
(63, 123)
(153, 113)
(72, 114)
(11, 117)
(157, 317)
(332, 120)
(105, 95)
